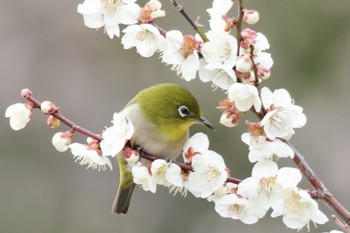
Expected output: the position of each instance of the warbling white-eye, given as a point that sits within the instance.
(161, 115)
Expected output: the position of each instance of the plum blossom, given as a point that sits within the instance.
(181, 52)
(265, 182)
(61, 140)
(109, 13)
(219, 22)
(221, 49)
(145, 37)
(220, 75)
(197, 144)
(282, 115)
(236, 207)
(260, 148)
(142, 176)
(209, 173)
(115, 137)
(19, 114)
(89, 154)
(297, 208)
(244, 96)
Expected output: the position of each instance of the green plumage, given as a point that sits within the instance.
(161, 115)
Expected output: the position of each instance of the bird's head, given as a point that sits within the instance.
(172, 108)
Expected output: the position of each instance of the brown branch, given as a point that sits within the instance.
(239, 24)
(27, 94)
(320, 188)
(197, 27)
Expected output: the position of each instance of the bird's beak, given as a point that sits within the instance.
(205, 122)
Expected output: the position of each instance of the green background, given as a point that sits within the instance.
(44, 46)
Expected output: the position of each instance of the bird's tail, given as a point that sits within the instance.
(126, 187)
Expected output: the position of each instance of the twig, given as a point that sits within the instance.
(28, 96)
(239, 24)
(320, 188)
(340, 224)
(198, 28)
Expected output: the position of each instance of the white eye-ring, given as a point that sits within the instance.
(183, 111)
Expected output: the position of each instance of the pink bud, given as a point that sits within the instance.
(131, 156)
(230, 119)
(250, 16)
(48, 107)
(53, 122)
(25, 93)
(263, 73)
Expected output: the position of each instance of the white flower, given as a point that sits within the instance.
(209, 173)
(245, 96)
(61, 140)
(19, 114)
(145, 37)
(151, 11)
(109, 13)
(115, 137)
(265, 182)
(197, 144)
(87, 155)
(220, 75)
(297, 208)
(141, 175)
(222, 191)
(282, 115)
(158, 170)
(260, 148)
(221, 49)
(181, 52)
(235, 207)
(220, 8)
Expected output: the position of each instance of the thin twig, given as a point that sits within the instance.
(198, 28)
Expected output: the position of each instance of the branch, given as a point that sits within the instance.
(196, 26)
(321, 189)
(27, 94)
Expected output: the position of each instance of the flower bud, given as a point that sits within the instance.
(250, 17)
(244, 63)
(61, 140)
(48, 107)
(53, 122)
(230, 119)
(131, 156)
(263, 73)
(26, 93)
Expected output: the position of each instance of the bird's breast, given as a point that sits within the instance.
(162, 143)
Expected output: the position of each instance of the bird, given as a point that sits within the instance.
(161, 115)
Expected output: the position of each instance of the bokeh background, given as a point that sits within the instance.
(44, 46)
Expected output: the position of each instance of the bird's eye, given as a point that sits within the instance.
(183, 111)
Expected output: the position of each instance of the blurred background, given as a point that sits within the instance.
(44, 46)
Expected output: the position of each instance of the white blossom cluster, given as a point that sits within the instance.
(235, 67)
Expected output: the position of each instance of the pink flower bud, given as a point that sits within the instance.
(263, 73)
(250, 16)
(48, 107)
(230, 119)
(53, 122)
(244, 63)
(248, 34)
(26, 93)
(131, 156)
(61, 140)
